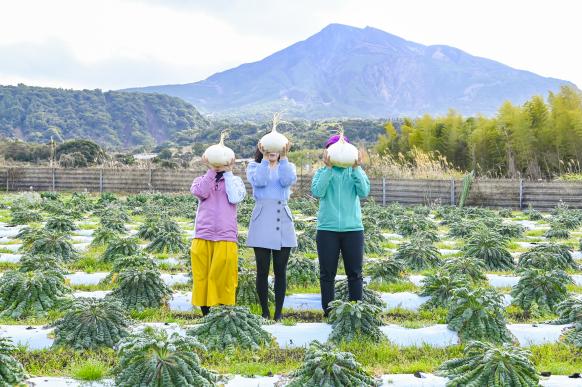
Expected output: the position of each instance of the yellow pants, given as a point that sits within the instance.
(214, 272)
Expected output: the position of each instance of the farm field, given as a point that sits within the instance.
(97, 287)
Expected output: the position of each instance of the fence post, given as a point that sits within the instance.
(520, 194)
(150, 180)
(452, 192)
(383, 191)
(101, 180)
(53, 183)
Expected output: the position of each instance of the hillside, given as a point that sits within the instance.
(344, 71)
(114, 118)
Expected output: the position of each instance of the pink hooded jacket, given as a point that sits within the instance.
(216, 215)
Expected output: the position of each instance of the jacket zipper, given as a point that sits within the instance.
(340, 202)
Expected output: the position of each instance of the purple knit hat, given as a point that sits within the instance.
(335, 138)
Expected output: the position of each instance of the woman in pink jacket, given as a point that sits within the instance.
(214, 250)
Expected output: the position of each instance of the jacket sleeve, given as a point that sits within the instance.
(202, 185)
(287, 173)
(320, 182)
(258, 174)
(361, 181)
(235, 188)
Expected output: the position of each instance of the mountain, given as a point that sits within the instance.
(112, 118)
(344, 71)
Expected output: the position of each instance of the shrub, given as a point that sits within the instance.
(505, 213)
(60, 224)
(31, 294)
(548, 256)
(408, 225)
(104, 236)
(486, 364)
(12, 373)
(533, 214)
(154, 358)
(24, 216)
(140, 288)
(368, 296)
(120, 247)
(465, 266)
(557, 232)
(489, 246)
(167, 242)
(570, 312)
(418, 254)
(53, 243)
(246, 291)
(45, 262)
(302, 271)
(478, 314)
(387, 270)
(540, 287)
(92, 323)
(306, 239)
(226, 328)
(324, 365)
(439, 287)
(354, 320)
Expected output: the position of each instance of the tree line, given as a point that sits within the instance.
(539, 139)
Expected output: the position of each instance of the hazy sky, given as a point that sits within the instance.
(111, 44)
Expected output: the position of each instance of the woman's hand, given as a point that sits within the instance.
(229, 167)
(326, 159)
(262, 149)
(285, 151)
(205, 162)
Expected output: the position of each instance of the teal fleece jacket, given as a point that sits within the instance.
(339, 191)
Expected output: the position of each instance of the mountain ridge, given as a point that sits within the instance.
(345, 71)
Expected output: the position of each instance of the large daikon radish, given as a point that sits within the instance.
(342, 154)
(219, 155)
(274, 141)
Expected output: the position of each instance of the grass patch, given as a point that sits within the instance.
(535, 233)
(303, 289)
(92, 369)
(573, 288)
(49, 318)
(8, 266)
(394, 287)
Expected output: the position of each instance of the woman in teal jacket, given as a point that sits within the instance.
(339, 224)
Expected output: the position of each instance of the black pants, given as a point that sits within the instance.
(280, 259)
(329, 246)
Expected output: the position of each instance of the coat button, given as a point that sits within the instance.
(278, 210)
(279, 202)
(278, 219)
(277, 228)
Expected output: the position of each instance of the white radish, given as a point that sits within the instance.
(219, 155)
(342, 154)
(274, 141)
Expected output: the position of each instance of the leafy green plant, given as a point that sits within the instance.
(31, 294)
(570, 312)
(532, 213)
(325, 365)
(104, 236)
(120, 247)
(153, 358)
(140, 288)
(478, 314)
(91, 323)
(386, 270)
(509, 230)
(465, 266)
(505, 213)
(548, 256)
(302, 271)
(129, 262)
(24, 216)
(45, 262)
(540, 287)
(166, 242)
(439, 287)
(53, 243)
(556, 231)
(354, 320)
(246, 291)
(60, 224)
(418, 254)
(306, 238)
(226, 328)
(489, 246)
(487, 364)
(12, 373)
(408, 225)
(368, 296)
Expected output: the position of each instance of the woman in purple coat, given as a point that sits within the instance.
(271, 231)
